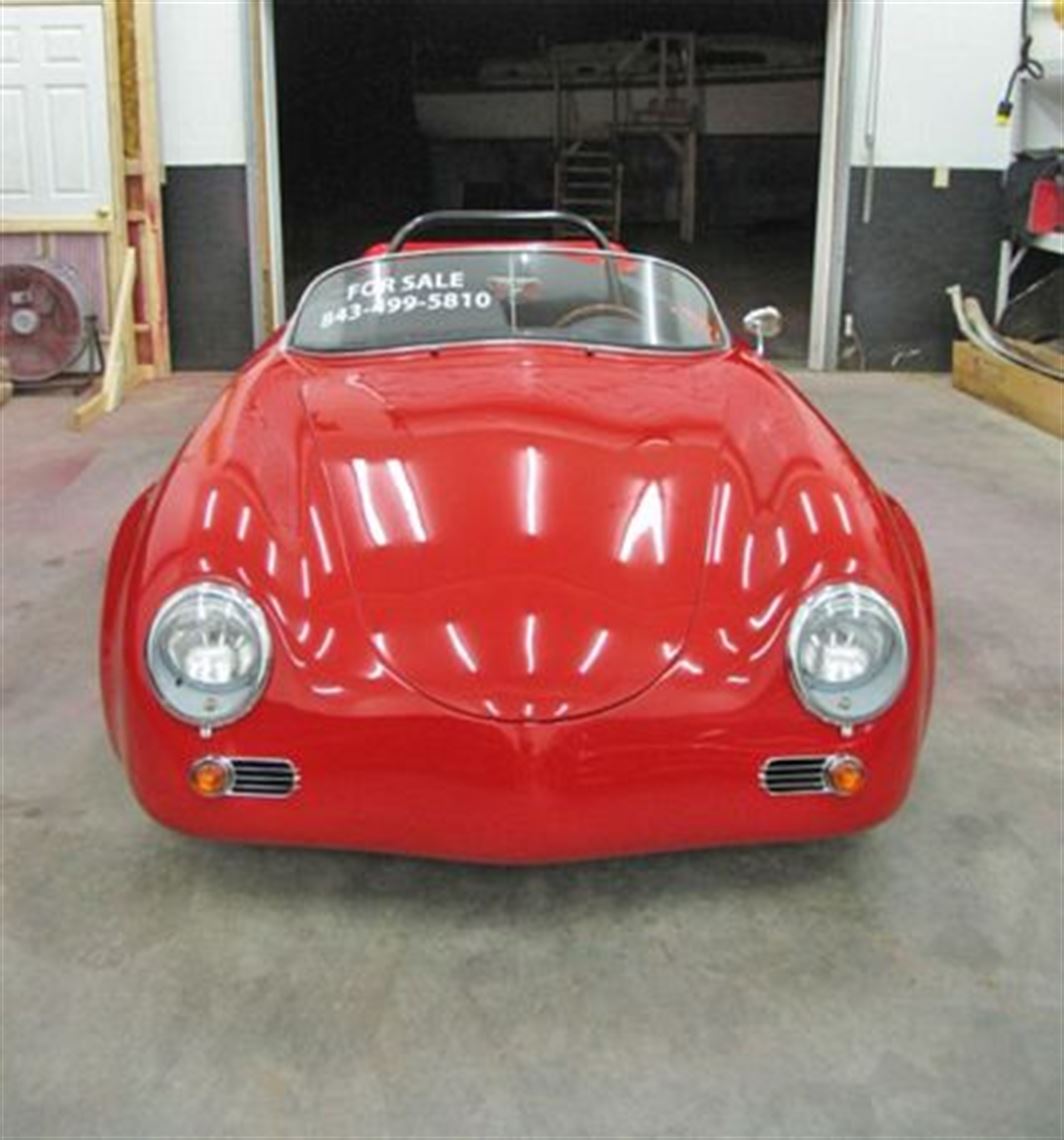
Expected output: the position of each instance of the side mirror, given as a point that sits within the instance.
(763, 324)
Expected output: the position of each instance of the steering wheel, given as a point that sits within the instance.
(600, 309)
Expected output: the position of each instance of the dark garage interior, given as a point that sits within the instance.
(385, 111)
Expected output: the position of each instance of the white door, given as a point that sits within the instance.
(54, 146)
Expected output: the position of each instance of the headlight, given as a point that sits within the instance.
(848, 653)
(208, 653)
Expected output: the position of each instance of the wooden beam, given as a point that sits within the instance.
(118, 239)
(93, 224)
(1022, 392)
(117, 360)
(85, 413)
(120, 362)
(1043, 353)
(147, 165)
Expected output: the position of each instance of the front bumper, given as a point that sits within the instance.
(427, 782)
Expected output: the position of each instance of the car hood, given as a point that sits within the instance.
(518, 533)
(522, 543)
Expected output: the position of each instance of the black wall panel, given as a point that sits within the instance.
(207, 266)
(919, 240)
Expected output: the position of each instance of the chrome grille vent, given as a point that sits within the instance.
(260, 777)
(795, 775)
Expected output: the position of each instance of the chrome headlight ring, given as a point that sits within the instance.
(848, 653)
(208, 653)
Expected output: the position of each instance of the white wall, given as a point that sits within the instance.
(1039, 110)
(943, 68)
(782, 108)
(200, 46)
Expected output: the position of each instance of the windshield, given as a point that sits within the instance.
(496, 293)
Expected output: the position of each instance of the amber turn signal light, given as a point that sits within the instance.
(210, 777)
(845, 775)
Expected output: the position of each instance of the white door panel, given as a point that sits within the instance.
(15, 164)
(68, 121)
(10, 45)
(55, 159)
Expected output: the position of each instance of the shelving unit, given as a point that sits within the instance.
(1037, 123)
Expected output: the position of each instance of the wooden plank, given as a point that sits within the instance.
(1020, 391)
(117, 359)
(1045, 353)
(90, 410)
(146, 166)
(94, 224)
(118, 240)
(120, 364)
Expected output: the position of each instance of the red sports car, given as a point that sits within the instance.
(504, 550)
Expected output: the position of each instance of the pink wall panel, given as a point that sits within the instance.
(86, 254)
(18, 247)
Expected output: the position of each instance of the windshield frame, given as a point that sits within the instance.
(724, 345)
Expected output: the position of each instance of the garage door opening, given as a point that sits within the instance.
(688, 130)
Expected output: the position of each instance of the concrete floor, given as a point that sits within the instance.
(903, 983)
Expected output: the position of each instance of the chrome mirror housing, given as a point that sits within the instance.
(763, 324)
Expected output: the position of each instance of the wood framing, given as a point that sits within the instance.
(1037, 399)
(138, 341)
(143, 184)
(111, 221)
(263, 185)
(116, 244)
(96, 224)
(118, 373)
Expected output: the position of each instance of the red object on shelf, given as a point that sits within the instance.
(1045, 214)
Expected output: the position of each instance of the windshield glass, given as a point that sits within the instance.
(496, 293)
